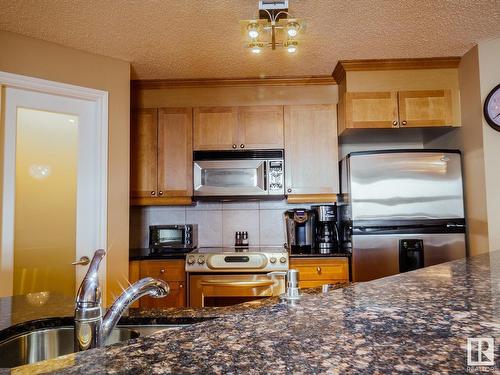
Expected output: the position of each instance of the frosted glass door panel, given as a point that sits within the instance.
(46, 202)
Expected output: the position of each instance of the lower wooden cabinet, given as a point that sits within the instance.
(315, 272)
(171, 271)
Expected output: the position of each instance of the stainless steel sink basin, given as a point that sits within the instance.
(48, 343)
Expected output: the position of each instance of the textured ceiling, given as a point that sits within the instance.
(202, 39)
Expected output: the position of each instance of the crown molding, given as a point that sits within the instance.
(149, 84)
(344, 66)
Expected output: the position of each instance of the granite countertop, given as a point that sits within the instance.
(417, 322)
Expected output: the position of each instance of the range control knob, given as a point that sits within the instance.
(272, 260)
(201, 260)
(190, 259)
(282, 260)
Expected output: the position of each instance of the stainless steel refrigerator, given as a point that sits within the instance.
(401, 210)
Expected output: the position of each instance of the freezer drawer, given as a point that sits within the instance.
(376, 256)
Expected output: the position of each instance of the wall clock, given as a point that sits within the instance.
(492, 108)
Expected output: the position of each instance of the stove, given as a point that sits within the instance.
(237, 260)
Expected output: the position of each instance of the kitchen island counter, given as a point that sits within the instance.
(417, 322)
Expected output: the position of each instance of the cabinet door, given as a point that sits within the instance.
(175, 152)
(371, 110)
(171, 271)
(311, 149)
(215, 128)
(143, 153)
(425, 108)
(176, 297)
(260, 127)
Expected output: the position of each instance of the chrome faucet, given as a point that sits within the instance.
(91, 329)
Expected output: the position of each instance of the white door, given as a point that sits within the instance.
(52, 204)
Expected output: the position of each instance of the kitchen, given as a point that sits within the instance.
(181, 133)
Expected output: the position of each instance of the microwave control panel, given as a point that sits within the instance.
(276, 176)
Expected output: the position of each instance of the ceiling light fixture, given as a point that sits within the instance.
(275, 27)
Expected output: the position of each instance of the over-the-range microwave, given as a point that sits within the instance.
(240, 174)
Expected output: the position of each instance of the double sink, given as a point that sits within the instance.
(47, 343)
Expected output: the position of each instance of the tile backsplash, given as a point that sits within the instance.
(217, 221)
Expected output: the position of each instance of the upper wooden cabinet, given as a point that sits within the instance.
(161, 156)
(175, 152)
(398, 93)
(260, 127)
(229, 128)
(425, 108)
(144, 153)
(371, 109)
(215, 128)
(409, 109)
(311, 153)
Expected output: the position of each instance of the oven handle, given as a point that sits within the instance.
(241, 284)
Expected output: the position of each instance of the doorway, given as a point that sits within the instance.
(54, 185)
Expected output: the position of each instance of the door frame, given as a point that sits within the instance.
(99, 100)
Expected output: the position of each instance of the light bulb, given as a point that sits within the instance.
(256, 49)
(293, 30)
(253, 30)
(253, 34)
(292, 49)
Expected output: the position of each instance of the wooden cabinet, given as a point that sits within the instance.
(311, 153)
(144, 153)
(161, 156)
(260, 127)
(229, 128)
(315, 272)
(175, 152)
(371, 109)
(423, 108)
(215, 128)
(172, 271)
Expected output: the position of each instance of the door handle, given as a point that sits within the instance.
(84, 260)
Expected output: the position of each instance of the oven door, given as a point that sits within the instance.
(230, 177)
(215, 290)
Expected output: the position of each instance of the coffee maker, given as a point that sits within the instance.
(326, 231)
(300, 230)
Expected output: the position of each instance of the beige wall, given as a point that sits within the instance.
(479, 72)
(36, 58)
(489, 77)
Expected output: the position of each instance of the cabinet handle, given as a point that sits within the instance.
(234, 146)
(403, 123)
(395, 123)
(160, 192)
(162, 271)
(242, 146)
(153, 193)
(318, 269)
(289, 190)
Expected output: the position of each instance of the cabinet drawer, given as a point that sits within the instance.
(321, 269)
(172, 270)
